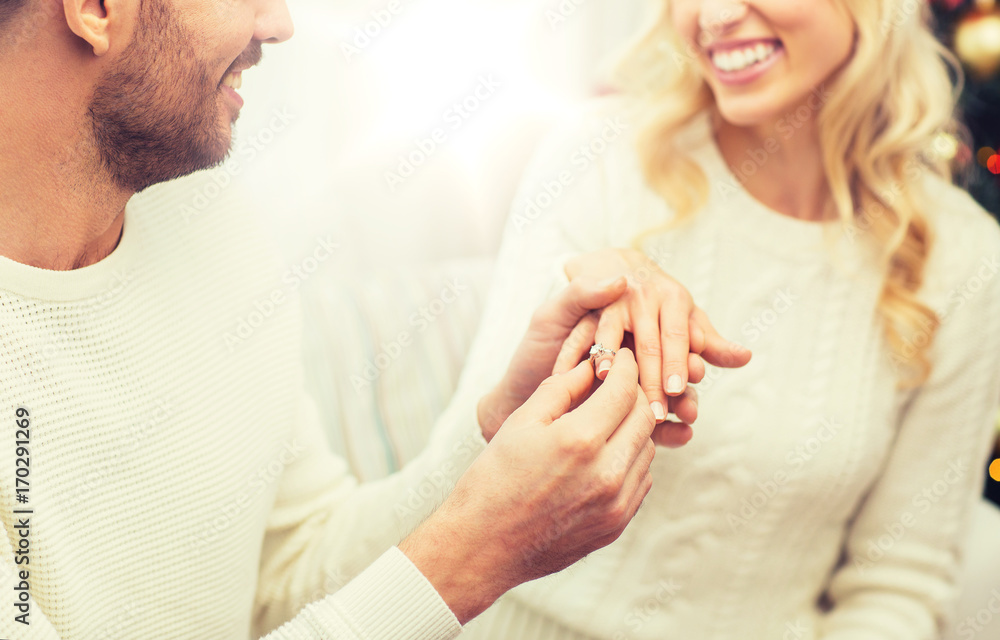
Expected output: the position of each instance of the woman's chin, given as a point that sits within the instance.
(743, 114)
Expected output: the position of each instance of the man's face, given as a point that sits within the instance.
(165, 108)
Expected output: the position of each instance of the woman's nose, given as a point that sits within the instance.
(719, 16)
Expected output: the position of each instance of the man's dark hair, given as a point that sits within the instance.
(8, 9)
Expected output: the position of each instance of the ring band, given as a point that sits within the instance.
(600, 350)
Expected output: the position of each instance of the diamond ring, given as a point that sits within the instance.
(600, 350)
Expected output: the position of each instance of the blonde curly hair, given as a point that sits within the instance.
(880, 133)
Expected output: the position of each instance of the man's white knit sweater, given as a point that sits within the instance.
(179, 485)
(815, 500)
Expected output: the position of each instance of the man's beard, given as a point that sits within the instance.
(156, 116)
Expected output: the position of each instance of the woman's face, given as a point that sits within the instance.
(765, 59)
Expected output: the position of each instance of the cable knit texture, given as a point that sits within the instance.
(181, 486)
(816, 500)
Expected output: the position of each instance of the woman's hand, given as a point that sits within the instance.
(673, 337)
(535, 357)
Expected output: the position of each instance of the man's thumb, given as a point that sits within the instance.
(559, 393)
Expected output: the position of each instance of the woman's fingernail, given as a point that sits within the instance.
(675, 384)
(658, 412)
(604, 367)
(737, 346)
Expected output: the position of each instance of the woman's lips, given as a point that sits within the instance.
(744, 62)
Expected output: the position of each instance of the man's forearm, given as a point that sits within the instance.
(451, 555)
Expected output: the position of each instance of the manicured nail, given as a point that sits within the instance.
(658, 411)
(603, 368)
(675, 384)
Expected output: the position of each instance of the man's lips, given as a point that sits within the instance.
(250, 57)
(230, 84)
(233, 79)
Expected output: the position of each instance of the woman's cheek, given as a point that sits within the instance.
(684, 16)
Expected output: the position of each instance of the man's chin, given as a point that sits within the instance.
(206, 159)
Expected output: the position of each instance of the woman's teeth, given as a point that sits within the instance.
(739, 59)
(234, 80)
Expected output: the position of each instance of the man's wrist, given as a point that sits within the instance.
(450, 555)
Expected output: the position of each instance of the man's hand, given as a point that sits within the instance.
(535, 357)
(673, 338)
(555, 484)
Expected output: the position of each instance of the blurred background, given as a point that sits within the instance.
(399, 129)
(368, 83)
(971, 28)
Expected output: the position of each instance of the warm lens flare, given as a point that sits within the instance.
(995, 470)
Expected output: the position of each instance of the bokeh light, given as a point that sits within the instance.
(993, 164)
(984, 154)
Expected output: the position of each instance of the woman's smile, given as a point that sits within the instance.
(743, 61)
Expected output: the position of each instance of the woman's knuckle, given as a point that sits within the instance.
(674, 294)
(675, 333)
(649, 347)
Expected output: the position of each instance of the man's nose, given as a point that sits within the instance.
(274, 23)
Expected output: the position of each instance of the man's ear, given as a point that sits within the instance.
(91, 21)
